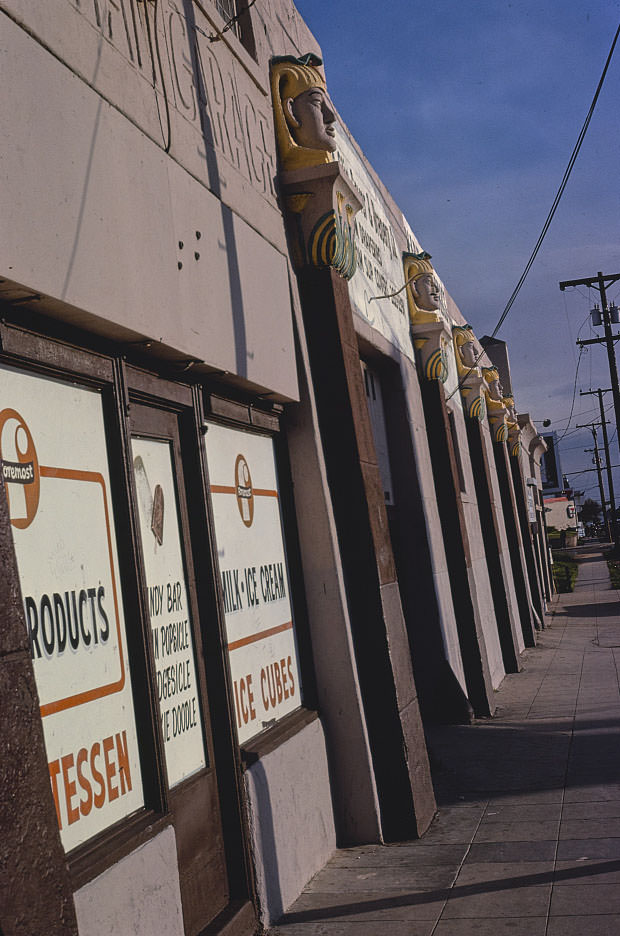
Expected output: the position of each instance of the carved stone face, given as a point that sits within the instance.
(468, 354)
(495, 390)
(426, 292)
(312, 120)
(512, 415)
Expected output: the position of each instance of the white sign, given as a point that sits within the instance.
(380, 269)
(171, 626)
(531, 505)
(255, 584)
(55, 465)
(379, 258)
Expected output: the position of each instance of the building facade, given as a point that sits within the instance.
(264, 504)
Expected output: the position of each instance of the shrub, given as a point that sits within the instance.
(565, 569)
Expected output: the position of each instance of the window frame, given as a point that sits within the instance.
(242, 28)
(234, 413)
(40, 345)
(46, 356)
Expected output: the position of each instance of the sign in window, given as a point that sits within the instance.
(55, 467)
(255, 582)
(171, 625)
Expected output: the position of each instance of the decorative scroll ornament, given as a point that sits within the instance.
(320, 203)
(495, 404)
(471, 382)
(429, 330)
(514, 442)
(331, 240)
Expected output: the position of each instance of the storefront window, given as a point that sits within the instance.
(171, 625)
(55, 465)
(255, 583)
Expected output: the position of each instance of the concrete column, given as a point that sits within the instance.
(442, 699)
(515, 543)
(526, 537)
(489, 521)
(456, 540)
(383, 657)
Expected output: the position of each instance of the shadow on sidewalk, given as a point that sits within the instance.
(603, 609)
(453, 893)
(473, 762)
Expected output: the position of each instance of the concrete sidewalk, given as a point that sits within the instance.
(527, 838)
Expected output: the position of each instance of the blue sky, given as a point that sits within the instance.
(469, 112)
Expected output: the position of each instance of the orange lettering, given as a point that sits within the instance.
(73, 813)
(237, 704)
(110, 767)
(85, 804)
(97, 777)
(284, 678)
(123, 762)
(251, 697)
(276, 669)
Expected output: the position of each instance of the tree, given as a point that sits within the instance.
(591, 510)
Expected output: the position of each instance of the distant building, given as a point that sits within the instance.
(550, 466)
(561, 511)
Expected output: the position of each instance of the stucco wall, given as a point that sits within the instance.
(479, 573)
(290, 805)
(139, 895)
(339, 698)
(433, 525)
(509, 583)
(112, 208)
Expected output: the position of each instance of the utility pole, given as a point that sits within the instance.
(597, 462)
(610, 480)
(600, 282)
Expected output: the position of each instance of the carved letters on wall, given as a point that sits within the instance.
(239, 125)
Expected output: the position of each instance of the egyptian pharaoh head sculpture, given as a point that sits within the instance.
(511, 412)
(304, 115)
(471, 384)
(495, 404)
(491, 375)
(429, 330)
(465, 347)
(422, 288)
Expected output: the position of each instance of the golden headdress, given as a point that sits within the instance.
(462, 334)
(490, 374)
(290, 77)
(415, 266)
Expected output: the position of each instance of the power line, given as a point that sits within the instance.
(572, 406)
(547, 224)
(560, 192)
(581, 413)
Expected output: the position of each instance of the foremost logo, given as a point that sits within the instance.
(244, 491)
(22, 474)
(20, 468)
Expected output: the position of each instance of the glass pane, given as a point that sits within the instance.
(55, 464)
(171, 625)
(226, 9)
(252, 561)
